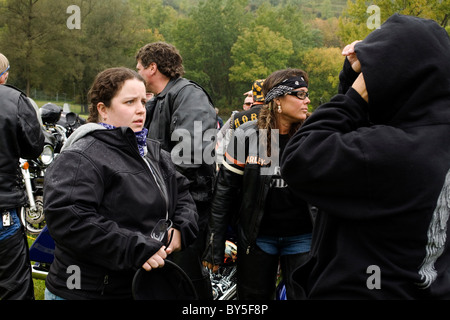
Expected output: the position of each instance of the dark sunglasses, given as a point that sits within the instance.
(302, 95)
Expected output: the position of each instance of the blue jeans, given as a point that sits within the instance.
(51, 296)
(282, 246)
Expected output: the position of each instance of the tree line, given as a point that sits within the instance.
(225, 44)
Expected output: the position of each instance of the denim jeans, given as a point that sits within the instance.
(51, 296)
(257, 274)
(282, 246)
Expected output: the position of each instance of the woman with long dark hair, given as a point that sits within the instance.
(272, 225)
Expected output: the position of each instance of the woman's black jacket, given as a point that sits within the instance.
(101, 203)
(233, 205)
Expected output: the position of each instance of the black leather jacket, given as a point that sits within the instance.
(101, 203)
(20, 137)
(177, 107)
(241, 192)
(233, 205)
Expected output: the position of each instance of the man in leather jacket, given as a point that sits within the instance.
(182, 107)
(20, 137)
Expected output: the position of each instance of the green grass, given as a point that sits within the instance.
(39, 289)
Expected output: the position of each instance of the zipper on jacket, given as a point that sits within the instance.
(257, 219)
(105, 283)
(211, 244)
(162, 190)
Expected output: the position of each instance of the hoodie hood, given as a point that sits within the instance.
(406, 67)
(81, 132)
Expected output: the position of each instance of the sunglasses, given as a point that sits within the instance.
(302, 95)
(161, 230)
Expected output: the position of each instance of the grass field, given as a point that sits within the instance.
(39, 288)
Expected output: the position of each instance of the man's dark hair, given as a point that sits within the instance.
(166, 57)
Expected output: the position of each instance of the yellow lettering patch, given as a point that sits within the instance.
(257, 160)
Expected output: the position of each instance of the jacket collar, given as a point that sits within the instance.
(168, 87)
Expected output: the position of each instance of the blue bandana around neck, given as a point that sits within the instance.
(141, 138)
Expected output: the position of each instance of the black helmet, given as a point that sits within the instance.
(50, 113)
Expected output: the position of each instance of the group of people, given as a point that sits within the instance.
(350, 202)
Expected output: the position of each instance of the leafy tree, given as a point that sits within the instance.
(31, 27)
(110, 36)
(288, 21)
(205, 39)
(353, 22)
(323, 66)
(46, 55)
(257, 53)
(327, 29)
(158, 19)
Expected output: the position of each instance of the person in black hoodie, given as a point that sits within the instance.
(375, 160)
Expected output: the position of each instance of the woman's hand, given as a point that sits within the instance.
(175, 244)
(210, 266)
(349, 52)
(155, 261)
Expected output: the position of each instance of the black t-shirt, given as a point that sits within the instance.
(285, 214)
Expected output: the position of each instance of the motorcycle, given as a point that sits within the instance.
(224, 282)
(33, 170)
(42, 253)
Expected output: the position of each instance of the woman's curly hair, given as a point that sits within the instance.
(106, 86)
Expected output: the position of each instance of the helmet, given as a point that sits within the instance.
(50, 113)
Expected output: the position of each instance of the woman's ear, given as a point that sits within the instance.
(277, 101)
(102, 111)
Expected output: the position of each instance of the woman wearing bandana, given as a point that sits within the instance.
(272, 225)
(106, 192)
